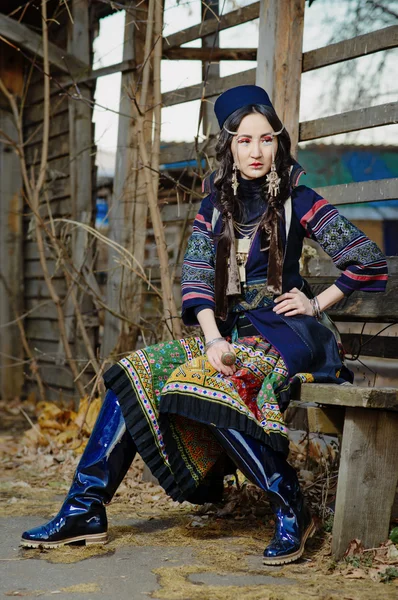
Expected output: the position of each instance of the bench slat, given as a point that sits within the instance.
(350, 396)
(362, 306)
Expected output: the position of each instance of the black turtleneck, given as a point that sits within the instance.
(251, 194)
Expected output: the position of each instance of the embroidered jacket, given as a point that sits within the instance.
(362, 263)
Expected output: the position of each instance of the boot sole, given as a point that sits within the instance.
(284, 560)
(95, 538)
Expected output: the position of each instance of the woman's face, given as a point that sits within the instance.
(252, 147)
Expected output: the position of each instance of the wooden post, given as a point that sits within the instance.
(128, 212)
(11, 238)
(11, 287)
(210, 71)
(81, 166)
(368, 477)
(279, 59)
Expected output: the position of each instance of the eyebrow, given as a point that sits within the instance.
(248, 135)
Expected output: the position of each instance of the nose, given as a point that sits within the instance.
(256, 149)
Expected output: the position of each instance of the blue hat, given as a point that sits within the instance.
(237, 97)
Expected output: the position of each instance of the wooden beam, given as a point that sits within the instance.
(81, 166)
(213, 88)
(351, 396)
(26, 39)
(11, 266)
(128, 209)
(209, 53)
(361, 306)
(235, 17)
(361, 45)
(383, 346)
(362, 191)
(353, 120)
(210, 69)
(348, 193)
(187, 151)
(279, 59)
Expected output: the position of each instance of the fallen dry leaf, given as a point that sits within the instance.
(355, 547)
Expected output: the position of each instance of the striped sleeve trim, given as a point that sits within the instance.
(361, 260)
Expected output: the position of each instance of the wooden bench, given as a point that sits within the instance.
(367, 418)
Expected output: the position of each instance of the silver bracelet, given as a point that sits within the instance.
(214, 341)
(316, 309)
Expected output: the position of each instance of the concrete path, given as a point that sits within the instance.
(124, 574)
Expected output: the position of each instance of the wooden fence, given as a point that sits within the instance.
(70, 174)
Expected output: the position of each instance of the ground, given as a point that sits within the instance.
(158, 548)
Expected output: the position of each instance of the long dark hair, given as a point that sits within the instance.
(227, 203)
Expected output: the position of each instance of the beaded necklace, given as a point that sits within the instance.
(243, 245)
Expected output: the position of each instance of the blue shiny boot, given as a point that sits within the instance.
(271, 472)
(104, 463)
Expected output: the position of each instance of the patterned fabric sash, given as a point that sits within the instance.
(254, 295)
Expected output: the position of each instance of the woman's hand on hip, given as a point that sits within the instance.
(214, 354)
(293, 303)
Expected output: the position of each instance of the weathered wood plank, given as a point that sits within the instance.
(33, 114)
(58, 146)
(279, 59)
(172, 213)
(59, 126)
(328, 420)
(41, 329)
(33, 270)
(58, 168)
(361, 191)
(211, 67)
(41, 309)
(11, 241)
(368, 345)
(350, 396)
(47, 350)
(59, 207)
(57, 376)
(362, 306)
(37, 288)
(367, 479)
(213, 88)
(129, 203)
(353, 120)
(184, 151)
(235, 17)
(31, 251)
(361, 45)
(59, 395)
(25, 38)
(214, 54)
(348, 193)
(81, 167)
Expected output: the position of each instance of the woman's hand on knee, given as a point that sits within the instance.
(293, 303)
(214, 355)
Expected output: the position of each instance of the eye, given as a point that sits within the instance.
(243, 141)
(267, 140)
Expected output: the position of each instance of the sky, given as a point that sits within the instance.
(325, 20)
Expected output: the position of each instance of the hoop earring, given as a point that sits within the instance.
(235, 182)
(273, 178)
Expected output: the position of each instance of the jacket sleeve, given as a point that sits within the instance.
(363, 265)
(197, 277)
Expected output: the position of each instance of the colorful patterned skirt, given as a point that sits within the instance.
(171, 397)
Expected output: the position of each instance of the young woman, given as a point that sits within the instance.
(195, 408)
